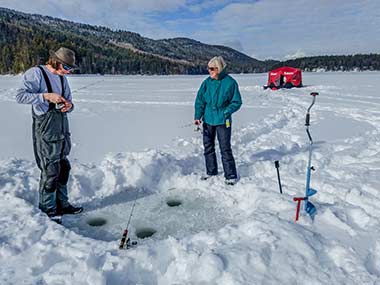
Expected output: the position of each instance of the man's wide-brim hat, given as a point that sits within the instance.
(65, 56)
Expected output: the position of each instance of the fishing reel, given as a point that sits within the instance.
(125, 242)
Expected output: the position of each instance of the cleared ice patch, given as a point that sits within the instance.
(175, 212)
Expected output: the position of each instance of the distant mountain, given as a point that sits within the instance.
(25, 40)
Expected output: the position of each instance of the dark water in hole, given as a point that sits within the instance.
(145, 233)
(173, 203)
(96, 222)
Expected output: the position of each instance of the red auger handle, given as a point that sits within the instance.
(295, 199)
(298, 200)
(123, 239)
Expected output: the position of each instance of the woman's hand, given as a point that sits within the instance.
(197, 122)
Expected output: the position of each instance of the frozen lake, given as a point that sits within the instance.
(133, 137)
(131, 113)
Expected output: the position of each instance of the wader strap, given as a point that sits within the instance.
(47, 81)
(62, 87)
(48, 85)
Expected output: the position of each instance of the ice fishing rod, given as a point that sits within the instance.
(197, 128)
(309, 207)
(125, 240)
(186, 125)
(86, 86)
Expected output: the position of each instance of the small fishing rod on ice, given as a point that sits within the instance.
(125, 240)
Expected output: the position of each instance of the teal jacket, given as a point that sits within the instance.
(217, 100)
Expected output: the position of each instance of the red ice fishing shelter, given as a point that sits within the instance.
(284, 77)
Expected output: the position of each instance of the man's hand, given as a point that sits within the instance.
(197, 122)
(54, 98)
(67, 107)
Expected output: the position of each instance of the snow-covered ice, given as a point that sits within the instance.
(133, 137)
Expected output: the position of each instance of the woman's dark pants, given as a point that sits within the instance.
(224, 138)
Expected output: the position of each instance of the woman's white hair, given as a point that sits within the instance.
(218, 62)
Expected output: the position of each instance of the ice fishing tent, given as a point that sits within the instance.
(284, 77)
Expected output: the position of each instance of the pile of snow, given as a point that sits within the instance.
(245, 234)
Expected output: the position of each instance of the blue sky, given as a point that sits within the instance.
(262, 29)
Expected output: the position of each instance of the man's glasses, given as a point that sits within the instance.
(67, 67)
(211, 68)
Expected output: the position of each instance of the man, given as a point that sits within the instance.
(217, 98)
(46, 88)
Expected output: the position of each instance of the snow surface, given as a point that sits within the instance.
(133, 137)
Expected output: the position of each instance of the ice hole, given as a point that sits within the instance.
(145, 232)
(96, 222)
(173, 202)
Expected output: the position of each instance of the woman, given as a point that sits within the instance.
(217, 98)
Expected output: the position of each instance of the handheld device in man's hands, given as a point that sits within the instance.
(59, 106)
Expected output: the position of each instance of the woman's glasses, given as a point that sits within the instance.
(211, 68)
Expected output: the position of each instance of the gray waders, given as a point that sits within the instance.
(51, 144)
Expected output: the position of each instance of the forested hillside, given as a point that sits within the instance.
(357, 62)
(25, 40)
